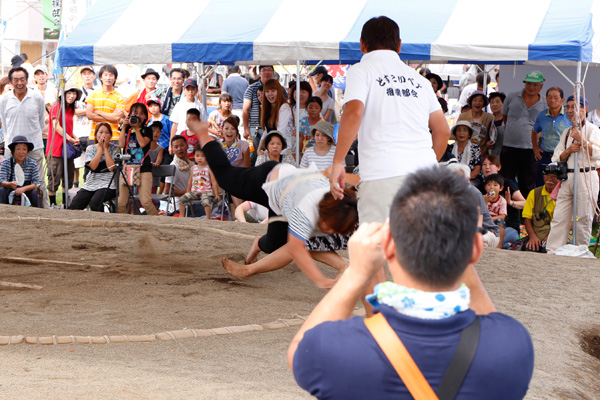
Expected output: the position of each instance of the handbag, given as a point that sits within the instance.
(410, 373)
(133, 172)
(73, 151)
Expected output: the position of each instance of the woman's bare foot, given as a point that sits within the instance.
(252, 256)
(234, 269)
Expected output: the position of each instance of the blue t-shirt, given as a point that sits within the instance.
(341, 360)
(165, 132)
(236, 86)
(551, 128)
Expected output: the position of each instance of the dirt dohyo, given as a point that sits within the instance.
(120, 275)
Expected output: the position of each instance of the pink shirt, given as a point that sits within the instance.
(497, 207)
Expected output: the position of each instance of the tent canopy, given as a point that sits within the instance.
(272, 31)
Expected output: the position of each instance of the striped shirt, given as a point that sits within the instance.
(99, 180)
(321, 161)
(301, 204)
(30, 170)
(250, 94)
(108, 103)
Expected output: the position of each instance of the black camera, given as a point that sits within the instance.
(120, 158)
(133, 120)
(559, 169)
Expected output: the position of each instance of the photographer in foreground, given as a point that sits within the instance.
(135, 140)
(427, 305)
(99, 158)
(585, 142)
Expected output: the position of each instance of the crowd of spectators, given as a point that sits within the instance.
(506, 141)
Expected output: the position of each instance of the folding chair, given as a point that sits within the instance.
(162, 171)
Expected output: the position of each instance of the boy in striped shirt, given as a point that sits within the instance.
(106, 104)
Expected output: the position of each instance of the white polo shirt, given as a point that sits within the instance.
(179, 114)
(393, 138)
(26, 117)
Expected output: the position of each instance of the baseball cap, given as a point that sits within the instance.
(534, 76)
(319, 70)
(190, 82)
(89, 68)
(582, 101)
(40, 67)
(154, 100)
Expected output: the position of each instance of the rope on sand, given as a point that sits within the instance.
(163, 336)
(24, 260)
(102, 223)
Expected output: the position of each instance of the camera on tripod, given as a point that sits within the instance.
(120, 158)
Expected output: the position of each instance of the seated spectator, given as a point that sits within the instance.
(190, 138)
(237, 150)
(19, 175)
(323, 94)
(217, 117)
(435, 294)
(465, 151)
(494, 183)
(183, 169)
(538, 213)
(491, 236)
(156, 152)
(513, 196)
(496, 204)
(322, 152)
(313, 110)
(101, 184)
(202, 185)
(273, 144)
(481, 122)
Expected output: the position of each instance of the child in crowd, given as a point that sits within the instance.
(179, 114)
(314, 105)
(237, 150)
(191, 139)
(494, 184)
(322, 152)
(201, 185)
(156, 151)
(217, 117)
(154, 106)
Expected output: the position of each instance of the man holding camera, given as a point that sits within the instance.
(427, 306)
(586, 143)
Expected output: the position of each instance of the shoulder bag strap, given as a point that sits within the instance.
(461, 362)
(399, 357)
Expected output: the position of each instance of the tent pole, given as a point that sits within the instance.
(64, 137)
(575, 159)
(298, 113)
(202, 86)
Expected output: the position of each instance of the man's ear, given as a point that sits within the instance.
(387, 243)
(363, 47)
(477, 248)
(399, 46)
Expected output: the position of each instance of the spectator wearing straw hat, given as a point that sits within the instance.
(465, 151)
(19, 174)
(481, 122)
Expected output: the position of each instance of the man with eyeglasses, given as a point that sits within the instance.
(22, 112)
(170, 96)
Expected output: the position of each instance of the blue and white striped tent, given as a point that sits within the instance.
(261, 31)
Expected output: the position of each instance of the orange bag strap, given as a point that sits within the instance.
(401, 360)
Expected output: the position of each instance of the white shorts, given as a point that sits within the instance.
(375, 198)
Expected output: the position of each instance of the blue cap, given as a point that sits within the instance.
(581, 100)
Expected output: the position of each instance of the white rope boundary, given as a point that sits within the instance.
(185, 333)
(103, 223)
